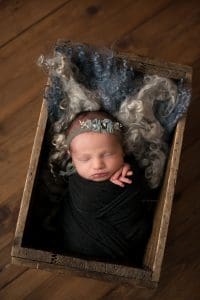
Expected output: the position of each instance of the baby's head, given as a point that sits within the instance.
(94, 141)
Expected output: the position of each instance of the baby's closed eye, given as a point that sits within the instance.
(107, 154)
(83, 159)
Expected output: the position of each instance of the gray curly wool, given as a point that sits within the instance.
(84, 79)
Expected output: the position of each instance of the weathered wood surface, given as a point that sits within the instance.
(31, 174)
(157, 241)
(167, 30)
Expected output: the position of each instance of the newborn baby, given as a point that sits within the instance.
(103, 215)
(99, 156)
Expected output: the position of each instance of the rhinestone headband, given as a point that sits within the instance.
(95, 125)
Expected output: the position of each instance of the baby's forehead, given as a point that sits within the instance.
(92, 139)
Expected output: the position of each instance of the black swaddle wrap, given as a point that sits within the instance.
(105, 221)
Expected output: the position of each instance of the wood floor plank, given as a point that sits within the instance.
(24, 284)
(8, 272)
(172, 35)
(128, 292)
(9, 212)
(188, 165)
(18, 16)
(62, 286)
(16, 155)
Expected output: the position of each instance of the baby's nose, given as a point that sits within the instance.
(98, 163)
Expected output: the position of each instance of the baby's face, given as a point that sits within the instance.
(96, 156)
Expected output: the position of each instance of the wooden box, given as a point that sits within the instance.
(49, 260)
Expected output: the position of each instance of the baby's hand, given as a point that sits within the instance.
(119, 177)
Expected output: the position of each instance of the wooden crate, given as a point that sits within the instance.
(149, 275)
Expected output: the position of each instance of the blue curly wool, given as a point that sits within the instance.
(114, 79)
(169, 121)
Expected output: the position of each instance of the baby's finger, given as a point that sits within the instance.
(117, 174)
(129, 173)
(126, 169)
(117, 182)
(125, 180)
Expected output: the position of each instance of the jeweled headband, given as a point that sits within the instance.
(95, 125)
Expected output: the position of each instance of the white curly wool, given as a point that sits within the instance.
(145, 135)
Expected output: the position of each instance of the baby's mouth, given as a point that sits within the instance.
(100, 175)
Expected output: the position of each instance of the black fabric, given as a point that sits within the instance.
(104, 221)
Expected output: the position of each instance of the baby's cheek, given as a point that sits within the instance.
(117, 165)
(120, 161)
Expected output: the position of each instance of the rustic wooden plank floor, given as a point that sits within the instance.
(163, 29)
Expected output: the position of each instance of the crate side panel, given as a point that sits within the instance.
(30, 175)
(156, 245)
(86, 268)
